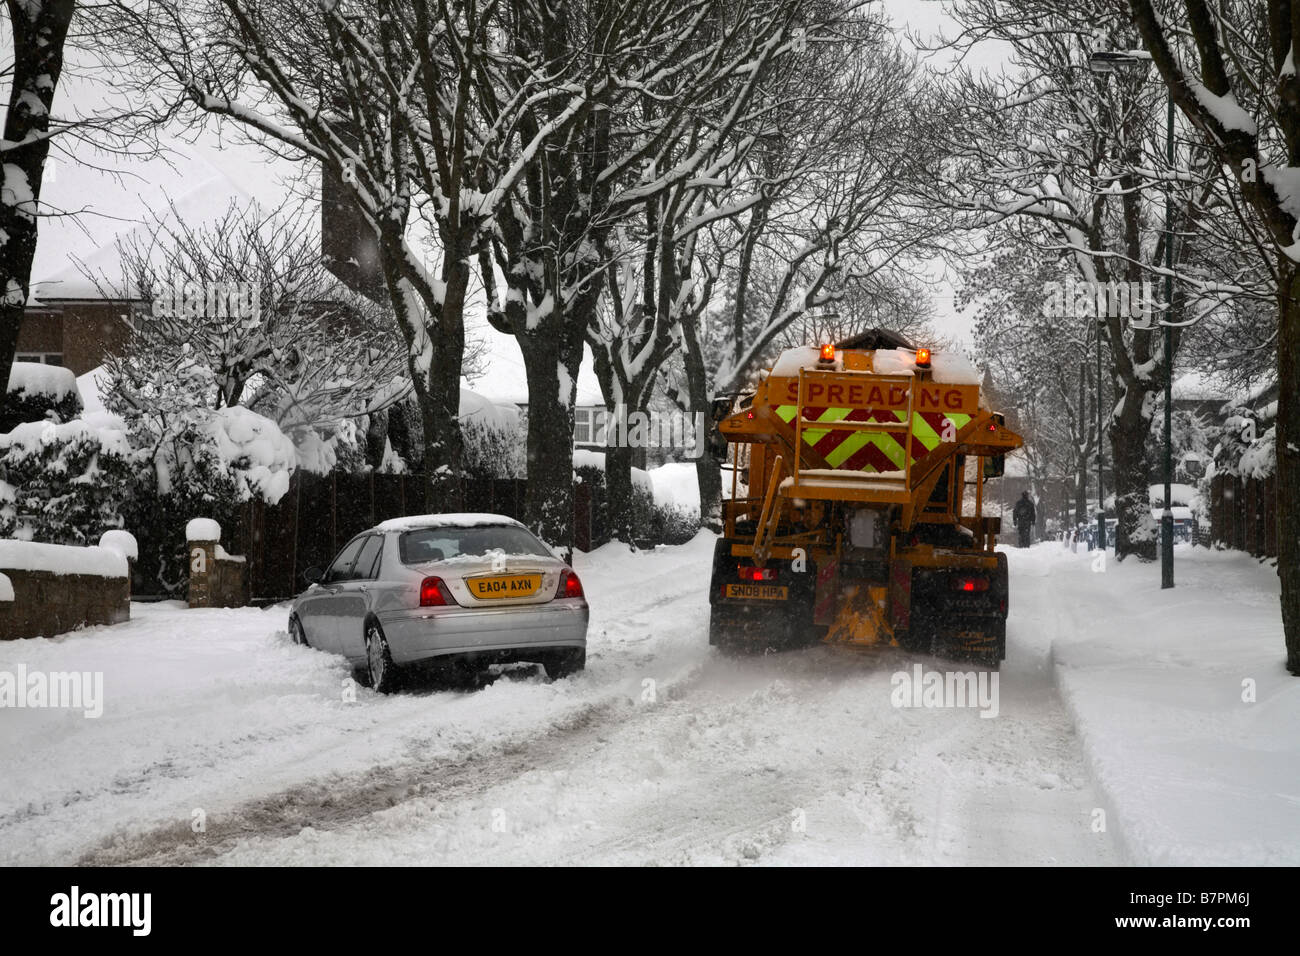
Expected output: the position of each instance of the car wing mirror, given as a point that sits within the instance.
(313, 575)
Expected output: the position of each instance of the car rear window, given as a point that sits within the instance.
(440, 544)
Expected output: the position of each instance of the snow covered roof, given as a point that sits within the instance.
(465, 519)
(476, 408)
(1197, 386)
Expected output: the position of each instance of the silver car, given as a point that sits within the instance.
(458, 589)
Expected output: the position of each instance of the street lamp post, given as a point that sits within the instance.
(1101, 454)
(1107, 61)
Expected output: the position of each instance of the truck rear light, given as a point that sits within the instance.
(570, 586)
(433, 593)
(748, 573)
(969, 584)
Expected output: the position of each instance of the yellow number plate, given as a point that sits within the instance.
(504, 586)
(765, 592)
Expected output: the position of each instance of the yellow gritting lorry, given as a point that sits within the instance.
(848, 527)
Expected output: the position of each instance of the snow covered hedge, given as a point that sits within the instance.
(64, 483)
(38, 393)
(654, 522)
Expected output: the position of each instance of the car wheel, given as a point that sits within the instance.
(380, 669)
(296, 633)
(561, 664)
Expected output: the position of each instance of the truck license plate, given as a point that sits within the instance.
(764, 592)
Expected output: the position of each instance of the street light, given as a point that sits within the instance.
(1109, 61)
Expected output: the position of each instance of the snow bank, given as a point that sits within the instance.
(202, 529)
(34, 378)
(1190, 724)
(123, 542)
(61, 559)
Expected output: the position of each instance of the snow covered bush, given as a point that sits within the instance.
(39, 393)
(64, 483)
(495, 447)
(1247, 443)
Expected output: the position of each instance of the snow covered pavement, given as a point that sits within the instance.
(222, 742)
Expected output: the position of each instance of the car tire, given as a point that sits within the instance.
(381, 673)
(561, 664)
(296, 632)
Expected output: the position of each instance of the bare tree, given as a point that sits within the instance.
(242, 311)
(1230, 68)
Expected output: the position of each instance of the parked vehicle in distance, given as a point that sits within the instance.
(466, 590)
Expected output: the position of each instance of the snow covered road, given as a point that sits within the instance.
(662, 752)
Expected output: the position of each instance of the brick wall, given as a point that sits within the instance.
(216, 581)
(84, 332)
(46, 604)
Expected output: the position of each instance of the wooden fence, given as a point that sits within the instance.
(1243, 514)
(318, 515)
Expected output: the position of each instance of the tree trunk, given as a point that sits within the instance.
(39, 31)
(444, 445)
(708, 467)
(1287, 487)
(548, 504)
(1136, 532)
(620, 503)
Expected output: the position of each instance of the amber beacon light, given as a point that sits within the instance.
(922, 358)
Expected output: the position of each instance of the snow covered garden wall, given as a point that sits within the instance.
(49, 589)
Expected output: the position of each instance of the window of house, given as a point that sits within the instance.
(589, 426)
(46, 358)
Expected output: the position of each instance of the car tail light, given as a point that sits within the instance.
(433, 593)
(570, 586)
(748, 573)
(971, 584)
